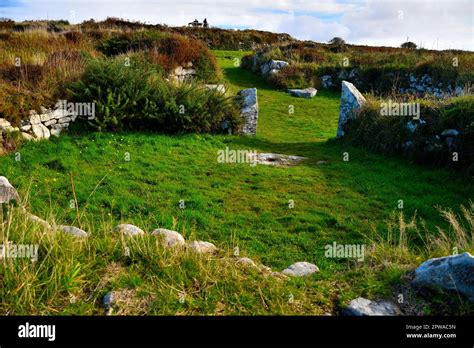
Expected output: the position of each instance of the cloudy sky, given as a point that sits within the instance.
(434, 24)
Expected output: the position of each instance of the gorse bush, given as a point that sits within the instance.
(420, 140)
(137, 97)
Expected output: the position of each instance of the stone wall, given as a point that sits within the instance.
(42, 125)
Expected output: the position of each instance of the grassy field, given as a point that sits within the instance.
(141, 178)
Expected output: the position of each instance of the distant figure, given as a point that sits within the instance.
(195, 23)
(205, 24)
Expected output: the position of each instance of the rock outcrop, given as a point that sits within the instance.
(351, 102)
(272, 67)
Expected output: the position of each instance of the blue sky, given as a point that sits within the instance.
(434, 24)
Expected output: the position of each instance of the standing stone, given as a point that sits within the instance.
(170, 238)
(301, 269)
(364, 307)
(7, 191)
(454, 273)
(249, 110)
(351, 102)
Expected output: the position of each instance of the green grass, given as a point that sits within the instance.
(235, 204)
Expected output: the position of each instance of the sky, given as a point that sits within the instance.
(432, 24)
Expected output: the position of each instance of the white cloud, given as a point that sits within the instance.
(435, 23)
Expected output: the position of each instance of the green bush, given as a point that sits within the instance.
(391, 135)
(137, 97)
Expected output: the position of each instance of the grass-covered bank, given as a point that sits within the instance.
(227, 204)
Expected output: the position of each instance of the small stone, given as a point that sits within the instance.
(4, 124)
(129, 230)
(27, 137)
(304, 93)
(38, 220)
(76, 232)
(202, 247)
(56, 132)
(218, 88)
(65, 120)
(50, 122)
(301, 269)
(35, 118)
(450, 133)
(170, 238)
(321, 162)
(40, 131)
(364, 307)
(26, 128)
(247, 262)
(7, 191)
(46, 117)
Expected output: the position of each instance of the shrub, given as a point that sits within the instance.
(425, 144)
(137, 97)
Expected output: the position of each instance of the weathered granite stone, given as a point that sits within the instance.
(129, 230)
(7, 191)
(26, 127)
(218, 88)
(50, 122)
(351, 102)
(272, 65)
(364, 307)
(300, 269)
(309, 92)
(40, 131)
(4, 124)
(170, 238)
(56, 132)
(46, 117)
(65, 120)
(35, 118)
(249, 110)
(75, 231)
(455, 273)
(247, 262)
(38, 220)
(27, 137)
(275, 159)
(202, 247)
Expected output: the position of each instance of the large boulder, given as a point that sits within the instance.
(7, 191)
(364, 307)
(351, 102)
(249, 110)
(308, 93)
(455, 273)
